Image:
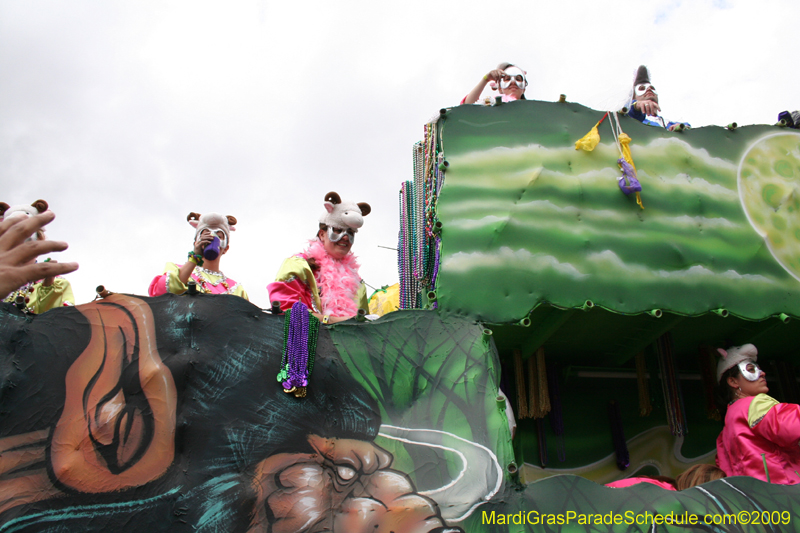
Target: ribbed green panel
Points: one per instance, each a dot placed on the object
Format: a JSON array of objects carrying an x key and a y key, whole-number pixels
[{"x": 527, "y": 219}]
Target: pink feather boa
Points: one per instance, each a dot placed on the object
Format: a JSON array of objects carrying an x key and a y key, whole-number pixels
[{"x": 338, "y": 280}]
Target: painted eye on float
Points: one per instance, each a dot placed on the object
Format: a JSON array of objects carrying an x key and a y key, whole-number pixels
[{"x": 345, "y": 473}]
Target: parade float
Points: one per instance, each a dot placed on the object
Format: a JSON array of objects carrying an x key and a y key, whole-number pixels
[
  {"x": 607, "y": 292},
  {"x": 524, "y": 267}
]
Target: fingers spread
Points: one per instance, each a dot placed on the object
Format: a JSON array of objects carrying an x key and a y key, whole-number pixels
[
  {"x": 33, "y": 249},
  {"x": 44, "y": 270},
  {"x": 14, "y": 231}
]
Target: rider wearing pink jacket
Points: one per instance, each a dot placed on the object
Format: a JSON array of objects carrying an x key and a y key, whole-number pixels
[{"x": 761, "y": 437}]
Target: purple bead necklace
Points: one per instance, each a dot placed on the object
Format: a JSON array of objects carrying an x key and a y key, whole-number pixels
[{"x": 300, "y": 345}]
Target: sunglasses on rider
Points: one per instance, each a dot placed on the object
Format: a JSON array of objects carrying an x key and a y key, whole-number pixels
[{"x": 642, "y": 88}]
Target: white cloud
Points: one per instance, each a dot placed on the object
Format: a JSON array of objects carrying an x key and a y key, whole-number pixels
[{"x": 126, "y": 116}]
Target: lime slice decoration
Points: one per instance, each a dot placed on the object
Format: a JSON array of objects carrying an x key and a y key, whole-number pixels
[{"x": 769, "y": 188}]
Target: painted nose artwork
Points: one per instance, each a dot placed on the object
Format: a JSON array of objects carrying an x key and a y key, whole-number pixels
[{"x": 150, "y": 406}]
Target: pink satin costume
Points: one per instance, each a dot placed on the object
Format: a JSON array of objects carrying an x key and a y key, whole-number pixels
[
  {"x": 212, "y": 283},
  {"x": 761, "y": 425},
  {"x": 631, "y": 481}
]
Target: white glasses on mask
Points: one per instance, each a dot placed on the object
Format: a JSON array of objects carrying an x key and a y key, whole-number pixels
[
  {"x": 513, "y": 75},
  {"x": 223, "y": 239},
  {"x": 642, "y": 88},
  {"x": 336, "y": 234},
  {"x": 750, "y": 370}
]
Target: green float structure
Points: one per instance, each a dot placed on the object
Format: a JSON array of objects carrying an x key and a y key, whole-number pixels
[
  {"x": 617, "y": 304},
  {"x": 524, "y": 268}
]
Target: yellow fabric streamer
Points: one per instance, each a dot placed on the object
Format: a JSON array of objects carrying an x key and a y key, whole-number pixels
[
  {"x": 589, "y": 141},
  {"x": 624, "y": 141}
]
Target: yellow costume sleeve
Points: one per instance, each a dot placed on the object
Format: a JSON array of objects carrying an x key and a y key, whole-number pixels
[
  {"x": 170, "y": 280},
  {"x": 759, "y": 407},
  {"x": 43, "y": 298},
  {"x": 238, "y": 290},
  {"x": 296, "y": 268},
  {"x": 174, "y": 284}
]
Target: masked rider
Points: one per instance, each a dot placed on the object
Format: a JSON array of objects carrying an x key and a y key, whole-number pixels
[
  {"x": 211, "y": 242},
  {"x": 325, "y": 276}
]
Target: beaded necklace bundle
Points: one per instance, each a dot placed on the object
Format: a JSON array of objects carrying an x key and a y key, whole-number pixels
[
  {"x": 708, "y": 370},
  {"x": 300, "y": 331},
  {"x": 203, "y": 281},
  {"x": 409, "y": 286},
  {"x": 541, "y": 438},
  {"x": 673, "y": 396},
  {"x": 538, "y": 394},
  {"x": 556, "y": 412},
  {"x": 24, "y": 291},
  {"x": 644, "y": 389},
  {"x": 618, "y": 435},
  {"x": 418, "y": 246}
]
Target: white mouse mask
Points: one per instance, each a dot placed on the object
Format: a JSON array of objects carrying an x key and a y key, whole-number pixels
[
  {"x": 751, "y": 374},
  {"x": 513, "y": 75}
]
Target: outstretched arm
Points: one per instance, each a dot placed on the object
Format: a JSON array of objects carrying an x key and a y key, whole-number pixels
[
  {"x": 776, "y": 422},
  {"x": 647, "y": 107},
  {"x": 17, "y": 253},
  {"x": 475, "y": 93}
]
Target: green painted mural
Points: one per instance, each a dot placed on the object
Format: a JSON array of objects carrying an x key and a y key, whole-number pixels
[
  {"x": 401, "y": 430},
  {"x": 613, "y": 305},
  {"x": 527, "y": 220}
]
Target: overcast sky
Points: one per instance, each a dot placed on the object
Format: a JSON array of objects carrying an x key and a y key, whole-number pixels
[{"x": 126, "y": 116}]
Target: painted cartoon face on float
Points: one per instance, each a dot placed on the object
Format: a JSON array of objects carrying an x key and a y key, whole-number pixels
[
  {"x": 118, "y": 432},
  {"x": 346, "y": 487}
]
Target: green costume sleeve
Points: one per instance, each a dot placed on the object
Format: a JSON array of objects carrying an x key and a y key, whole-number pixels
[{"x": 361, "y": 297}]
